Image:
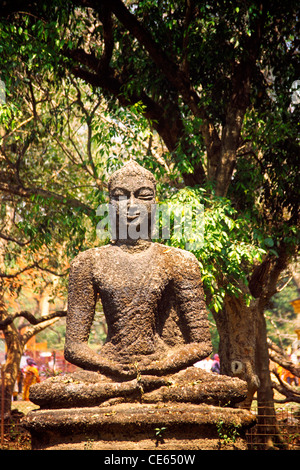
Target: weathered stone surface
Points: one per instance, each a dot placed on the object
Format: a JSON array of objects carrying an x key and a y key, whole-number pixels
[
  {"x": 86, "y": 388},
  {"x": 153, "y": 302},
  {"x": 154, "y": 308},
  {"x": 193, "y": 385},
  {"x": 132, "y": 426}
]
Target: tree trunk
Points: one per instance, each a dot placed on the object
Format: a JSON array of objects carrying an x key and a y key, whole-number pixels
[
  {"x": 244, "y": 344},
  {"x": 10, "y": 369},
  {"x": 269, "y": 435},
  {"x": 236, "y": 325},
  {"x": 244, "y": 353}
]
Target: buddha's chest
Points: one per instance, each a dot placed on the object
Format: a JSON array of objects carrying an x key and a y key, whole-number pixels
[{"x": 124, "y": 278}]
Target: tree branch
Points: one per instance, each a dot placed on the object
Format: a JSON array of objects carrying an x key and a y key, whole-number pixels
[
  {"x": 35, "y": 265},
  {"x": 30, "y": 317},
  {"x": 32, "y": 331},
  {"x": 11, "y": 276},
  {"x": 276, "y": 355},
  {"x": 291, "y": 394},
  {"x": 21, "y": 191},
  {"x": 108, "y": 38},
  {"x": 170, "y": 132},
  {"x": 98, "y": 73},
  {"x": 177, "y": 77},
  {"x": 89, "y": 117},
  {"x": 14, "y": 240}
]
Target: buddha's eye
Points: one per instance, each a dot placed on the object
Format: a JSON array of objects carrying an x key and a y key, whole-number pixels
[
  {"x": 145, "y": 194},
  {"x": 120, "y": 195}
]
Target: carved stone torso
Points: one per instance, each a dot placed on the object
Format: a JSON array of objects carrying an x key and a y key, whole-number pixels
[
  {"x": 130, "y": 287},
  {"x": 138, "y": 291}
]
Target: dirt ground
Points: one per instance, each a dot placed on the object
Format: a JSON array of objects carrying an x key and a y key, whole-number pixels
[{"x": 15, "y": 436}]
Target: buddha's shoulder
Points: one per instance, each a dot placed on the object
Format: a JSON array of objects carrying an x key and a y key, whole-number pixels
[
  {"x": 88, "y": 256},
  {"x": 177, "y": 254}
]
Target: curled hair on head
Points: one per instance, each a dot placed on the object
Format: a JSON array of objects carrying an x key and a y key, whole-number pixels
[{"x": 129, "y": 169}]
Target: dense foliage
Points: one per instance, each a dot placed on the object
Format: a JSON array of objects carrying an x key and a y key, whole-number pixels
[{"x": 202, "y": 93}]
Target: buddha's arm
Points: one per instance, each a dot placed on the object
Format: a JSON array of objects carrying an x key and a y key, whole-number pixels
[
  {"x": 177, "y": 358},
  {"x": 190, "y": 299},
  {"x": 82, "y": 298},
  {"x": 192, "y": 309}
]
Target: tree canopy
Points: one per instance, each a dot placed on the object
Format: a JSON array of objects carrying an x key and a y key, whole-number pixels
[
  {"x": 204, "y": 94},
  {"x": 212, "y": 79}
]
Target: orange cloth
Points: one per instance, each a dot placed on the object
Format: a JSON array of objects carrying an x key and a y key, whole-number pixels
[
  {"x": 31, "y": 376},
  {"x": 284, "y": 374}
]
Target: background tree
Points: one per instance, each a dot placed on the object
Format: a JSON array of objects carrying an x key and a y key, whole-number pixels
[
  {"x": 36, "y": 238},
  {"x": 213, "y": 80},
  {"x": 53, "y": 168}
]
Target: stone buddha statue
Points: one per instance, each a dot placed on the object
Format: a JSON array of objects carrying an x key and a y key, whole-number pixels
[
  {"x": 153, "y": 302},
  {"x": 151, "y": 294}
]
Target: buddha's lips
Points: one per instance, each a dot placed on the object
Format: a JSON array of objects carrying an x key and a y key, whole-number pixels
[{"x": 131, "y": 218}]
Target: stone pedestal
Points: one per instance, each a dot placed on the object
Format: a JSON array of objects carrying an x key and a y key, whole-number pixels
[{"x": 135, "y": 426}]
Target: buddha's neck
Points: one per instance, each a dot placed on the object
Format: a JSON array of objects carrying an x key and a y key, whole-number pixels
[{"x": 133, "y": 245}]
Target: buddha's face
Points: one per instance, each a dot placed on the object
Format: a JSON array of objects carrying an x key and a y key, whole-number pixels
[{"x": 132, "y": 200}]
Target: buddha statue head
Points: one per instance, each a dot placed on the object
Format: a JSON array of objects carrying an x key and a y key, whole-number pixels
[{"x": 132, "y": 192}]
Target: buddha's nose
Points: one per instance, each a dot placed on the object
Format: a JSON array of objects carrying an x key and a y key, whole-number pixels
[
  {"x": 132, "y": 202},
  {"x": 132, "y": 207}
]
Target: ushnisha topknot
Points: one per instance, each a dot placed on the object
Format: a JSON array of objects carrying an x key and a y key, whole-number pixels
[{"x": 129, "y": 169}]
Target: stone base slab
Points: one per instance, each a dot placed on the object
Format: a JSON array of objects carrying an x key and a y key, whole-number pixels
[{"x": 136, "y": 426}]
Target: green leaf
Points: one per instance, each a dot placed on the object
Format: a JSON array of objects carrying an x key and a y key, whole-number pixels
[{"x": 269, "y": 242}]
